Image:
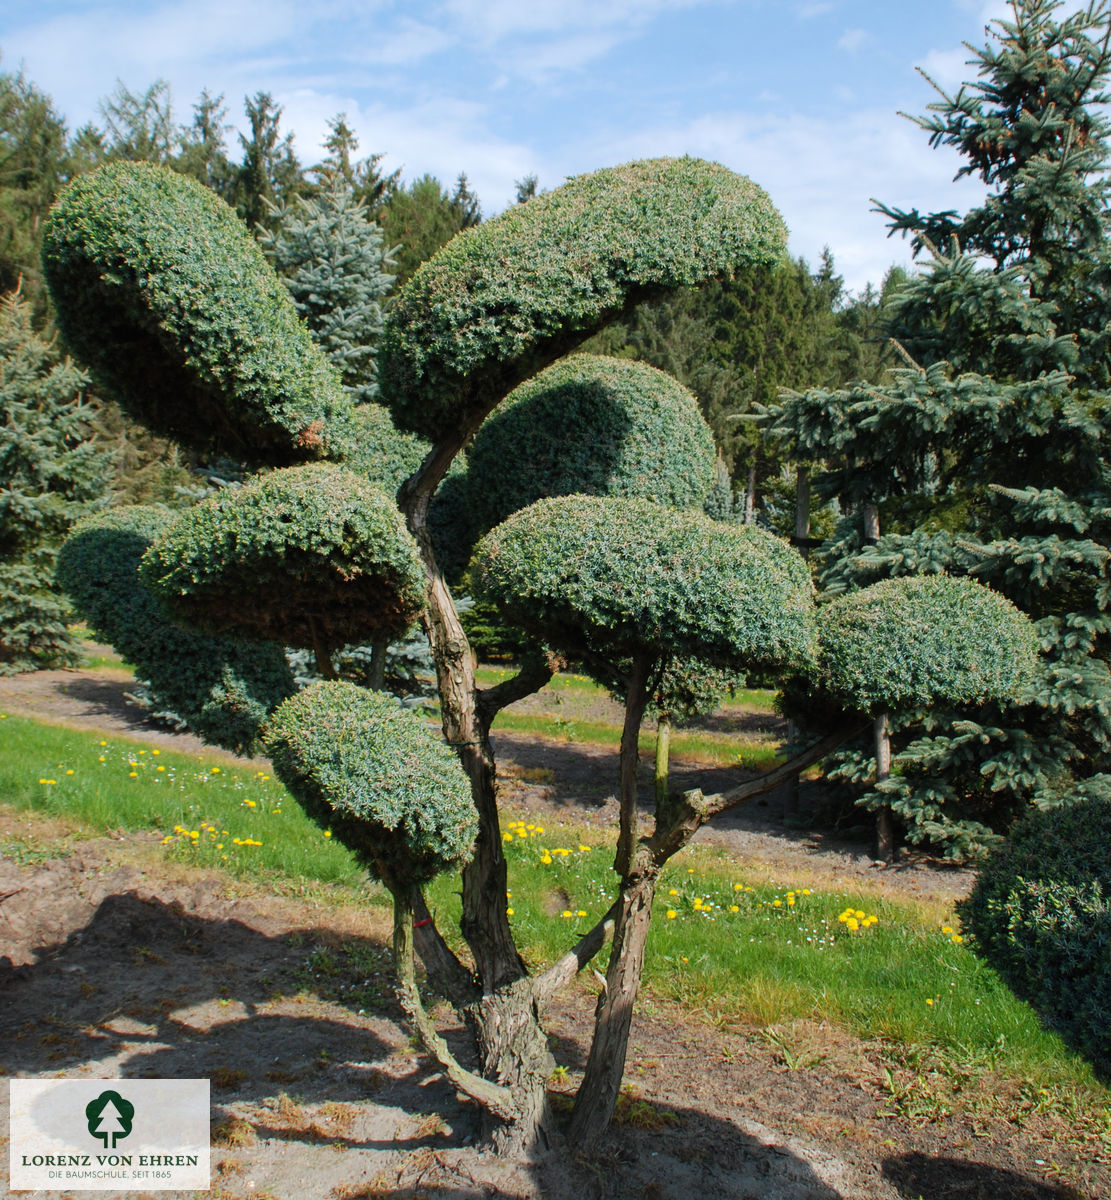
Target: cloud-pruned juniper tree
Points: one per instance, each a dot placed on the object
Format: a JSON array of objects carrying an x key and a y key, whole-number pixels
[{"x": 173, "y": 306}]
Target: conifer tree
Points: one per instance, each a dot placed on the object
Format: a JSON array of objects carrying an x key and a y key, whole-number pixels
[
  {"x": 51, "y": 472},
  {"x": 33, "y": 163},
  {"x": 269, "y": 175},
  {"x": 204, "y": 149},
  {"x": 330, "y": 255},
  {"x": 984, "y": 454}
]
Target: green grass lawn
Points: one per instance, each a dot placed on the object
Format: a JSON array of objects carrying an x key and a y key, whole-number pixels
[{"x": 734, "y": 948}]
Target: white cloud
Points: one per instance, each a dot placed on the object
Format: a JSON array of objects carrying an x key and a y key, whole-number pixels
[
  {"x": 820, "y": 9},
  {"x": 822, "y": 174},
  {"x": 853, "y": 39},
  {"x": 496, "y": 20}
]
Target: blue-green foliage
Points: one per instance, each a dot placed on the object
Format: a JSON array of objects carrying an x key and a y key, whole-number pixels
[
  {"x": 164, "y": 294},
  {"x": 1040, "y": 913},
  {"x": 590, "y": 425},
  {"x": 624, "y": 577},
  {"x": 222, "y": 688},
  {"x": 301, "y": 556},
  {"x": 914, "y": 642},
  {"x": 369, "y": 770},
  {"x": 507, "y": 297},
  {"x": 328, "y": 251}
]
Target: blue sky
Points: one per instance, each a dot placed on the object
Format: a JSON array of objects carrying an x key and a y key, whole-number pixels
[{"x": 801, "y": 95}]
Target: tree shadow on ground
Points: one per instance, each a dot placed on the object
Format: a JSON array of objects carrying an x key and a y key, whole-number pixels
[
  {"x": 149, "y": 989},
  {"x": 916, "y": 1175}
]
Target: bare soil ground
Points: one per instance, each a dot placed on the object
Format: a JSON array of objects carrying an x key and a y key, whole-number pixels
[{"x": 114, "y": 963}]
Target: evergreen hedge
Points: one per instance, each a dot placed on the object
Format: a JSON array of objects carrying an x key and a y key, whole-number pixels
[
  {"x": 509, "y": 296},
  {"x": 1040, "y": 914},
  {"x": 621, "y": 576},
  {"x": 913, "y": 642},
  {"x": 163, "y": 293},
  {"x": 299, "y": 556},
  {"x": 595, "y": 426},
  {"x": 369, "y": 770},
  {"x": 222, "y": 688}
]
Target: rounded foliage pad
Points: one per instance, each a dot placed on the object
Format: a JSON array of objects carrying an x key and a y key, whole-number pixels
[
  {"x": 368, "y": 769},
  {"x": 923, "y": 640},
  {"x": 1040, "y": 913},
  {"x": 302, "y": 556},
  {"x": 222, "y": 688},
  {"x": 594, "y": 426},
  {"x": 621, "y": 577},
  {"x": 508, "y": 296},
  {"x": 162, "y": 291}
]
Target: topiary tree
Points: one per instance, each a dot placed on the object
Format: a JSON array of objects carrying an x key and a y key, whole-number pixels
[
  {"x": 223, "y": 688},
  {"x": 1040, "y": 914},
  {"x": 622, "y": 582},
  {"x": 594, "y": 426}
]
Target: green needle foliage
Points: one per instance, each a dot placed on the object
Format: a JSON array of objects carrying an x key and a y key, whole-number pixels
[
  {"x": 1041, "y": 914},
  {"x": 508, "y": 297},
  {"x": 908, "y": 643},
  {"x": 222, "y": 688},
  {"x": 51, "y": 472},
  {"x": 300, "y": 556},
  {"x": 618, "y": 576},
  {"x": 591, "y": 426},
  {"x": 168, "y": 299},
  {"x": 370, "y": 771}
]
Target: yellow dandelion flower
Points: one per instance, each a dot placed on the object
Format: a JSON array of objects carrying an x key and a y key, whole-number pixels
[
  {"x": 215, "y": 771},
  {"x": 133, "y": 774},
  {"x": 929, "y": 1000},
  {"x": 581, "y": 912},
  {"x": 956, "y": 938},
  {"x": 546, "y": 859},
  {"x": 567, "y": 913},
  {"x": 509, "y": 912},
  {"x": 101, "y": 758},
  {"x": 671, "y": 914},
  {"x": 673, "y": 892},
  {"x": 852, "y": 923},
  {"x": 583, "y": 849},
  {"x": 70, "y": 771},
  {"x": 327, "y": 833},
  {"x": 777, "y": 904},
  {"x": 946, "y": 929},
  {"x": 156, "y": 752},
  {"x": 734, "y": 908},
  {"x": 161, "y": 768},
  {"x": 806, "y": 891}
]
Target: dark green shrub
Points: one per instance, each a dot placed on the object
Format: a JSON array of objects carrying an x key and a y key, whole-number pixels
[
  {"x": 594, "y": 426},
  {"x": 222, "y": 688},
  {"x": 622, "y": 576},
  {"x": 1040, "y": 914},
  {"x": 509, "y": 296},
  {"x": 164, "y": 294},
  {"x": 913, "y": 642},
  {"x": 369, "y": 770},
  {"x": 383, "y": 454},
  {"x": 301, "y": 556}
]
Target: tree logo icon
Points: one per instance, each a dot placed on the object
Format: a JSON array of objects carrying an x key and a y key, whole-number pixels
[{"x": 109, "y": 1117}]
